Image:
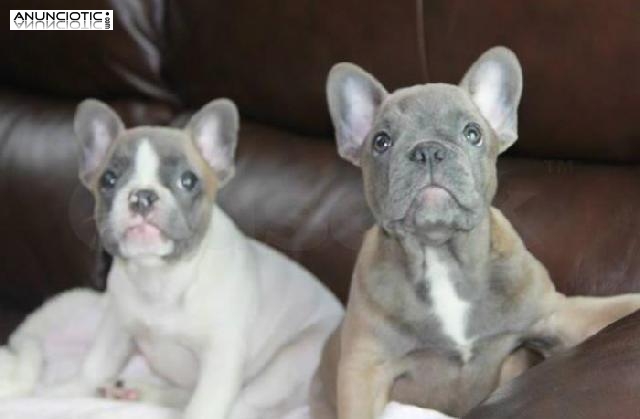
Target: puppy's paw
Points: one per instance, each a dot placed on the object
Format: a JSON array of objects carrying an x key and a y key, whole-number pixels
[
  {"x": 16, "y": 379},
  {"x": 119, "y": 391},
  {"x": 402, "y": 411}
]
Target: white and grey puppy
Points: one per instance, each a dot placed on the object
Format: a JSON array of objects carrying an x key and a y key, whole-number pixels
[{"x": 234, "y": 323}]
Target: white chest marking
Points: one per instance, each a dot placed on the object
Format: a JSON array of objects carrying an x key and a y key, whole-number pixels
[{"x": 447, "y": 304}]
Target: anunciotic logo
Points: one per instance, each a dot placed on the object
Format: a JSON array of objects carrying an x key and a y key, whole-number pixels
[{"x": 61, "y": 20}]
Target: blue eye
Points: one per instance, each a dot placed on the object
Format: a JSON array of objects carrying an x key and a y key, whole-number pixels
[
  {"x": 382, "y": 142},
  {"x": 188, "y": 180},
  {"x": 108, "y": 179},
  {"x": 473, "y": 134}
]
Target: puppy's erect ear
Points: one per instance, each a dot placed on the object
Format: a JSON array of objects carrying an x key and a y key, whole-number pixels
[
  {"x": 354, "y": 97},
  {"x": 494, "y": 82},
  {"x": 214, "y": 130},
  {"x": 97, "y": 126}
]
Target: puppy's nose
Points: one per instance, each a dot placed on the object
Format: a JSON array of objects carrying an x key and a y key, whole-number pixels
[
  {"x": 428, "y": 153},
  {"x": 141, "y": 201}
]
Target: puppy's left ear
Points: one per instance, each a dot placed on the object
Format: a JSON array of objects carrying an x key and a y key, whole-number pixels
[
  {"x": 214, "y": 130},
  {"x": 494, "y": 82}
]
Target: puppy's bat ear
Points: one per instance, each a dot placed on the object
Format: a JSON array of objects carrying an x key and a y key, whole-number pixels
[
  {"x": 214, "y": 130},
  {"x": 96, "y": 126},
  {"x": 354, "y": 97},
  {"x": 494, "y": 82}
]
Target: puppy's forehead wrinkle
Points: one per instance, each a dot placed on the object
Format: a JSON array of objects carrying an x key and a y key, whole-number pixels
[
  {"x": 173, "y": 147},
  {"x": 441, "y": 108}
]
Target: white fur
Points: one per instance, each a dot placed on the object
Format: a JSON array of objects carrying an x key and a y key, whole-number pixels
[
  {"x": 447, "y": 304},
  {"x": 147, "y": 164},
  {"x": 56, "y": 334},
  {"x": 145, "y": 176},
  {"x": 237, "y": 324}
]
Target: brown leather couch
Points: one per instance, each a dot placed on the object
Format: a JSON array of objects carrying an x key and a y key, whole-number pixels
[{"x": 571, "y": 185}]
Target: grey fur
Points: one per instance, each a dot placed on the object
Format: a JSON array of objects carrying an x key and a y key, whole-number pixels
[
  {"x": 425, "y": 115},
  {"x": 107, "y": 146},
  {"x": 390, "y": 280},
  {"x": 394, "y": 343}
]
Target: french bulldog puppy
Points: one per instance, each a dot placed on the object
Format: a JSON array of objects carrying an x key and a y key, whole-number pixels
[
  {"x": 444, "y": 290},
  {"x": 233, "y": 322}
]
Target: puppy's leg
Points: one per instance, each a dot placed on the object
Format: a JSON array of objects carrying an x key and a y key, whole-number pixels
[
  {"x": 364, "y": 380},
  {"x": 220, "y": 378},
  {"x": 323, "y": 391},
  {"x": 573, "y": 319},
  {"x": 274, "y": 392},
  {"x": 518, "y": 362},
  {"x": 106, "y": 358}
]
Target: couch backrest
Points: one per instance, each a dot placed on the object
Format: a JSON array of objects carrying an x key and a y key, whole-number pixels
[
  {"x": 166, "y": 57},
  {"x": 580, "y": 59}
]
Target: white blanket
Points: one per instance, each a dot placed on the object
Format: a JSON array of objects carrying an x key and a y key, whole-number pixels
[{"x": 47, "y": 349}]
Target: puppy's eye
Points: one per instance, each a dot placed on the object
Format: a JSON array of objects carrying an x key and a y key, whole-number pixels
[
  {"x": 472, "y": 134},
  {"x": 108, "y": 180},
  {"x": 188, "y": 180},
  {"x": 382, "y": 142}
]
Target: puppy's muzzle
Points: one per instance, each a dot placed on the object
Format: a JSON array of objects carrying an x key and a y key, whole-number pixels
[
  {"x": 429, "y": 153},
  {"x": 141, "y": 201}
]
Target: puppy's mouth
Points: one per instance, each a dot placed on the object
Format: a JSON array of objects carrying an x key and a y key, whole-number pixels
[
  {"x": 433, "y": 201},
  {"x": 434, "y": 195},
  {"x": 144, "y": 232}
]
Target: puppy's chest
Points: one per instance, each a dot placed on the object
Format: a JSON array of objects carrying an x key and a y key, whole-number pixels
[
  {"x": 169, "y": 338},
  {"x": 445, "y": 308}
]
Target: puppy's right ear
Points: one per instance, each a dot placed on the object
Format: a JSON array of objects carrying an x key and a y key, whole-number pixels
[
  {"x": 97, "y": 126},
  {"x": 354, "y": 97}
]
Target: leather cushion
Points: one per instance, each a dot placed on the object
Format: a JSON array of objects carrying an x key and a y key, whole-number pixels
[
  {"x": 46, "y": 229},
  {"x": 595, "y": 380},
  {"x": 124, "y": 61},
  {"x": 273, "y": 58},
  {"x": 294, "y": 193},
  {"x": 580, "y": 62}
]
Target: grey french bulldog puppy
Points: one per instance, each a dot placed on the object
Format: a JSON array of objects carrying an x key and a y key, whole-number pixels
[{"x": 444, "y": 292}]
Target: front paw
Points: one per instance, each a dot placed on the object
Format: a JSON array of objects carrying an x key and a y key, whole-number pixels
[{"x": 119, "y": 391}]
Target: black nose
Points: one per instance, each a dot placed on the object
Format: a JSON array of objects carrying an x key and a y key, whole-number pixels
[
  {"x": 141, "y": 201},
  {"x": 428, "y": 153}
]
